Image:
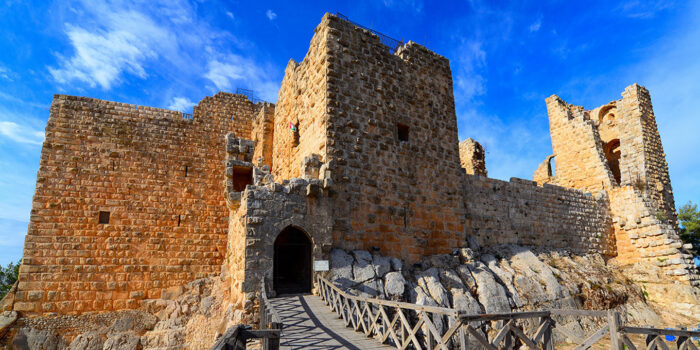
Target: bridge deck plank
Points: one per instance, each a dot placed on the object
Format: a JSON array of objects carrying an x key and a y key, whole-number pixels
[{"x": 309, "y": 324}]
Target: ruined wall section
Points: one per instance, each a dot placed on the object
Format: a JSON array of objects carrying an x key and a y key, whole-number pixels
[
  {"x": 263, "y": 135},
  {"x": 392, "y": 145},
  {"x": 642, "y": 237},
  {"x": 520, "y": 212},
  {"x": 260, "y": 212},
  {"x": 158, "y": 176},
  {"x": 580, "y": 161},
  {"x": 472, "y": 157},
  {"x": 643, "y": 163},
  {"x": 302, "y": 103}
]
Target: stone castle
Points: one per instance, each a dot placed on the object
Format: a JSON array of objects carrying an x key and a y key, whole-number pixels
[{"x": 361, "y": 151}]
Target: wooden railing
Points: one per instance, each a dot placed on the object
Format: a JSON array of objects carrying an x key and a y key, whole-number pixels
[
  {"x": 406, "y": 325},
  {"x": 269, "y": 328},
  {"x": 269, "y": 320}
]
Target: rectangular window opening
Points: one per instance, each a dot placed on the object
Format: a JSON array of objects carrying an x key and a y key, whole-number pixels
[
  {"x": 178, "y": 221},
  {"x": 186, "y": 168},
  {"x": 402, "y": 132},
  {"x": 103, "y": 217},
  {"x": 242, "y": 176}
]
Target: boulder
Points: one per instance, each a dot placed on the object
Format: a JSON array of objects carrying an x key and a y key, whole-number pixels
[
  {"x": 505, "y": 277},
  {"x": 7, "y": 318},
  {"x": 394, "y": 285},
  {"x": 123, "y": 341},
  {"x": 341, "y": 268},
  {"x": 467, "y": 278},
  {"x": 396, "y": 264},
  {"x": 87, "y": 341},
  {"x": 36, "y": 339},
  {"x": 382, "y": 265},
  {"x": 430, "y": 282},
  {"x": 490, "y": 293}
]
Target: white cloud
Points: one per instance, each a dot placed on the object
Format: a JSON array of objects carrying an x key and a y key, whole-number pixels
[
  {"x": 469, "y": 83},
  {"x": 270, "y": 15},
  {"x": 181, "y": 104},
  {"x": 230, "y": 14},
  {"x": 5, "y": 73},
  {"x": 412, "y": 5},
  {"x": 234, "y": 71},
  {"x": 535, "y": 26},
  {"x": 643, "y": 9},
  {"x": 21, "y": 134},
  {"x": 123, "y": 43}
]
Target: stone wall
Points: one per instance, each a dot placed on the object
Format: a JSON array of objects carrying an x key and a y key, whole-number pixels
[
  {"x": 391, "y": 145},
  {"x": 580, "y": 161},
  {"x": 472, "y": 157},
  {"x": 643, "y": 236},
  {"x": 302, "y": 105},
  {"x": 156, "y": 175},
  {"x": 520, "y": 212},
  {"x": 263, "y": 135},
  {"x": 261, "y": 211},
  {"x": 643, "y": 163}
]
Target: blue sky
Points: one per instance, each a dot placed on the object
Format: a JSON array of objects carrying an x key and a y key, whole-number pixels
[{"x": 506, "y": 57}]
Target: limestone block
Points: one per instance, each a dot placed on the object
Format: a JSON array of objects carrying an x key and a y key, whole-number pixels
[{"x": 394, "y": 285}]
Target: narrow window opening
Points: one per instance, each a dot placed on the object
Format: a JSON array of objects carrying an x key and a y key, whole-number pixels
[
  {"x": 178, "y": 221},
  {"x": 242, "y": 176},
  {"x": 612, "y": 154},
  {"x": 186, "y": 168},
  {"x": 103, "y": 217},
  {"x": 402, "y": 132},
  {"x": 294, "y": 129},
  {"x": 551, "y": 167}
]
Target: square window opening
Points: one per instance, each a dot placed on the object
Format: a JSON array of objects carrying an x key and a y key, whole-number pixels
[
  {"x": 402, "y": 132},
  {"x": 242, "y": 176},
  {"x": 103, "y": 218}
]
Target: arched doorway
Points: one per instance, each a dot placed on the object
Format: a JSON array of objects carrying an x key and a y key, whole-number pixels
[
  {"x": 612, "y": 154},
  {"x": 292, "y": 262}
]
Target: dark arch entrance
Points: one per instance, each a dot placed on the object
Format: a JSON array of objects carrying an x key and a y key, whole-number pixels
[{"x": 292, "y": 262}]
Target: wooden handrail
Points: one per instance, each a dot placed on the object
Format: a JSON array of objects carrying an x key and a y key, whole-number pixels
[
  {"x": 433, "y": 309},
  {"x": 268, "y": 306},
  {"x": 386, "y": 321}
]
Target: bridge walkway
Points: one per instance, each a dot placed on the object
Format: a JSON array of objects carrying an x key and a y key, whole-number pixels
[{"x": 310, "y": 324}]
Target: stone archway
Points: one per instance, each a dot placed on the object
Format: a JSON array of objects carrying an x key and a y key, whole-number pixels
[{"x": 292, "y": 262}]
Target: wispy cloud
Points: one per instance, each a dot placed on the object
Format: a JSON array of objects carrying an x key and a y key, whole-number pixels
[
  {"x": 271, "y": 15},
  {"x": 469, "y": 82},
  {"x": 5, "y": 73},
  {"x": 536, "y": 25},
  {"x": 643, "y": 9},
  {"x": 411, "y": 5},
  {"x": 236, "y": 71},
  {"x": 181, "y": 104},
  {"x": 21, "y": 134},
  {"x": 122, "y": 44},
  {"x": 139, "y": 40}
]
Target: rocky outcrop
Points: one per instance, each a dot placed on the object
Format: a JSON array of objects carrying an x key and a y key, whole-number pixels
[
  {"x": 500, "y": 279},
  {"x": 187, "y": 317}
]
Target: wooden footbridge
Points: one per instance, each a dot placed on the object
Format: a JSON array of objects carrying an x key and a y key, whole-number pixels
[{"x": 337, "y": 319}]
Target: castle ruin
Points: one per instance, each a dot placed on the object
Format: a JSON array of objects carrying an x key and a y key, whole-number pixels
[{"x": 361, "y": 151}]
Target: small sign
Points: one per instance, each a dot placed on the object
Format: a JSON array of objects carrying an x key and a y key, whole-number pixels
[{"x": 321, "y": 265}]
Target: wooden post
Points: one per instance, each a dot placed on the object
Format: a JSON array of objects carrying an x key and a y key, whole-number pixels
[
  {"x": 508, "y": 340},
  {"x": 274, "y": 343},
  {"x": 428, "y": 335},
  {"x": 614, "y": 323},
  {"x": 547, "y": 341},
  {"x": 463, "y": 338}
]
